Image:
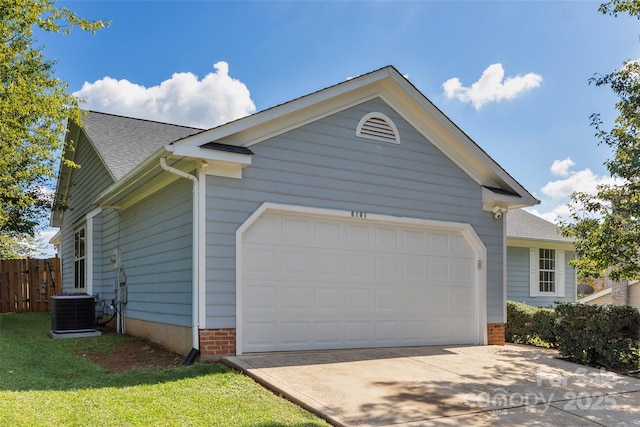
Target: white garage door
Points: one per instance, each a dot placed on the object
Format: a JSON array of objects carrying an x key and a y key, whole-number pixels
[{"x": 321, "y": 282}]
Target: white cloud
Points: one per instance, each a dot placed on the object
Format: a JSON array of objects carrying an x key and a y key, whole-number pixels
[
  {"x": 492, "y": 87},
  {"x": 556, "y": 204},
  {"x": 583, "y": 181},
  {"x": 554, "y": 215},
  {"x": 561, "y": 167},
  {"x": 183, "y": 99}
]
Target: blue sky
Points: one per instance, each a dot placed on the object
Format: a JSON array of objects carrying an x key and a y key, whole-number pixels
[{"x": 522, "y": 68}]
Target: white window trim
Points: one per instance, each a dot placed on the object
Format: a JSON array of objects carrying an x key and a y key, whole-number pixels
[
  {"x": 87, "y": 223},
  {"x": 76, "y": 259},
  {"x": 534, "y": 276}
]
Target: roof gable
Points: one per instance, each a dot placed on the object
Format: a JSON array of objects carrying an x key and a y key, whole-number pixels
[
  {"x": 130, "y": 148},
  {"x": 124, "y": 142},
  {"x": 389, "y": 85}
]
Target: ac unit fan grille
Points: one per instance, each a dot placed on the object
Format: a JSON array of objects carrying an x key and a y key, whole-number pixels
[{"x": 73, "y": 313}]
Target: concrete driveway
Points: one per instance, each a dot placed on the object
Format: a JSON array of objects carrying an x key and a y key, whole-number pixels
[{"x": 447, "y": 385}]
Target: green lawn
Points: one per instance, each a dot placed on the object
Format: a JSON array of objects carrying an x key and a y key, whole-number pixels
[{"x": 43, "y": 382}]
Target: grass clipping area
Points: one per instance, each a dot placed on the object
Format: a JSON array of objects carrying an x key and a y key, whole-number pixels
[{"x": 47, "y": 382}]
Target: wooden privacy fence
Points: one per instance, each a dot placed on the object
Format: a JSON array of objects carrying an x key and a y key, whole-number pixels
[{"x": 28, "y": 284}]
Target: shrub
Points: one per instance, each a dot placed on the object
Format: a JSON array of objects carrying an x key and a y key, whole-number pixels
[
  {"x": 530, "y": 325},
  {"x": 599, "y": 335}
]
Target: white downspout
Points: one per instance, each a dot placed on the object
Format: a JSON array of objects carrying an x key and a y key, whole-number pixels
[{"x": 195, "y": 245}]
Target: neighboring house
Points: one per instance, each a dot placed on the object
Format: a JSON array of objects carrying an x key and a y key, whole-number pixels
[
  {"x": 631, "y": 296},
  {"x": 356, "y": 216},
  {"x": 538, "y": 268}
]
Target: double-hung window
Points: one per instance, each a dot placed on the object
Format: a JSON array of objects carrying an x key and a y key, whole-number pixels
[
  {"x": 546, "y": 272},
  {"x": 79, "y": 260}
]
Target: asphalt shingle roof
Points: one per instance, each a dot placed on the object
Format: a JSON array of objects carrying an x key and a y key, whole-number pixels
[
  {"x": 525, "y": 225},
  {"x": 124, "y": 142}
]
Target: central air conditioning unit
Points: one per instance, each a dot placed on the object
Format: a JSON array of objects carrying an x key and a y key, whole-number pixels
[{"x": 73, "y": 313}]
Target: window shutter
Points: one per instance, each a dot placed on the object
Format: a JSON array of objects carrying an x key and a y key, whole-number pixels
[
  {"x": 534, "y": 277},
  {"x": 560, "y": 273}
]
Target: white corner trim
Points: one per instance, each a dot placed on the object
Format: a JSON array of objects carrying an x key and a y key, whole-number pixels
[{"x": 466, "y": 230}]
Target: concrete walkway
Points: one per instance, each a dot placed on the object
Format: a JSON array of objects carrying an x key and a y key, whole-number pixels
[{"x": 447, "y": 386}]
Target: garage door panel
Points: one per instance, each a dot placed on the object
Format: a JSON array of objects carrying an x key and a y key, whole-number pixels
[
  {"x": 296, "y": 229},
  {"x": 294, "y": 298},
  {"x": 460, "y": 247},
  {"x": 358, "y": 299},
  {"x": 329, "y": 265},
  {"x": 261, "y": 298},
  {"x": 438, "y": 301},
  {"x": 296, "y": 333},
  {"x": 413, "y": 331},
  {"x": 358, "y": 236},
  {"x": 439, "y": 242},
  {"x": 439, "y": 270},
  {"x": 413, "y": 301},
  {"x": 387, "y": 239},
  {"x": 317, "y": 282},
  {"x": 328, "y": 333},
  {"x": 463, "y": 272},
  {"x": 358, "y": 332},
  {"x": 260, "y": 261},
  {"x": 462, "y": 301},
  {"x": 414, "y": 270},
  {"x": 327, "y": 233},
  {"x": 260, "y": 334},
  {"x": 387, "y": 332},
  {"x": 329, "y": 300},
  {"x": 293, "y": 263},
  {"x": 387, "y": 268},
  {"x": 386, "y": 300},
  {"x": 413, "y": 241},
  {"x": 360, "y": 267}
]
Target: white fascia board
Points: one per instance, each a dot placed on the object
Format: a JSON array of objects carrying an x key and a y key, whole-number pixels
[
  {"x": 278, "y": 112},
  {"x": 490, "y": 199},
  {"x": 532, "y": 242},
  {"x": 242, "y": 160},
  {"x": 55, "y": 240},
  {"x": 237, "y": 160},
  {"x": 451, "y": 140}
]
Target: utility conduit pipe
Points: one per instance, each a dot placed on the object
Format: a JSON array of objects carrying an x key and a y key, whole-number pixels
[{"x": 195, "y": 256}]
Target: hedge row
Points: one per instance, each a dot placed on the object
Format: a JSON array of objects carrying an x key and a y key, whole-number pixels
[
  {"x": 599, "y": 335},
  {"x": 530, "y": 325},
  {"x": 596, "y": 335}
]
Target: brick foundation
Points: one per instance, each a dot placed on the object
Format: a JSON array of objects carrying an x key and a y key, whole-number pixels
[
  {"x": 495, "y": 333},
  {"x": 215, "y": 343}
]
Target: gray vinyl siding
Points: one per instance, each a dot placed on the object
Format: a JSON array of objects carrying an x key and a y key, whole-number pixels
[
  {"x": 323, "y": 164},
  {"x": 105, "y": 246},
  {"x": 86, "y": 183},
  {"x": 518, "y": 279},
  {"x": 155, "y": 239}
]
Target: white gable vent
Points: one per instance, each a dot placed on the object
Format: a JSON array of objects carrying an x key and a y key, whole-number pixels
[{"x": 378, "y": 126}]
